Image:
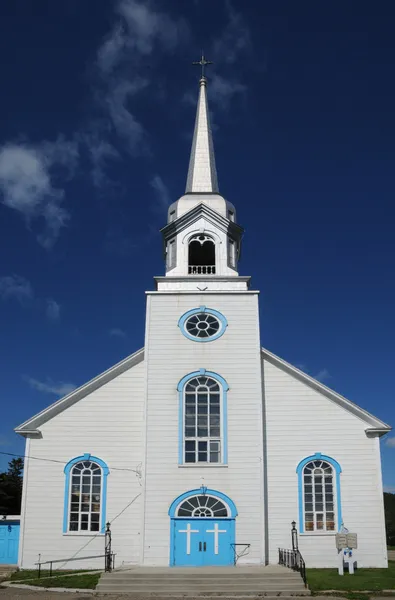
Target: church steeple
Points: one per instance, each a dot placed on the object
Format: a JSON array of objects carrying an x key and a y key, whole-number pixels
[
  {"x": 202, "y": 239},
  {"x": 202, "y": 173}
]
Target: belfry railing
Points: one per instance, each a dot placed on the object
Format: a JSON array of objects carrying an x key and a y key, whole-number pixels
[{"x": 201, "y": 269}]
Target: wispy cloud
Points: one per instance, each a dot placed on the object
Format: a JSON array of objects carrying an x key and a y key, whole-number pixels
[
  {"x": 19, "y": 289},
  {"x": 52, "y": 310},
  {"x": 390, "y": 489},
  {"x": 116, "y": 332},
  {"x": 27, "y": 183},
  {"x": 322, "y": 375},
  {"x": 235, "y": 38},
  {"x": 14, "y": 287},
  {"x": 4, "y": 440},
  {"x": 162, "y": 193},
  {"x": 59, "y": 388},
  {"x": 390, "y": 442},
  {"x": 222, "y": 90},
  {"x": 122, "y": 62}
]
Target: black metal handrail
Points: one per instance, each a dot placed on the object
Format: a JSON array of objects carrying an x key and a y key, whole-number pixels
[
  {"x": 109, "y": 562},
  {"x": 293, "y": 560}
]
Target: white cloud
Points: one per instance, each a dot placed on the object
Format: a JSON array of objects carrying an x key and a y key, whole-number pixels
[
  {"x": 162, "y": 193},
  {"x": 52, "y": 310},
  {"x": 390, "y": 442},
  {"x": 14, "y": 287},
  {"x": 27, "y": 182},
  {"x": 322, "y": 375},
  {"x": 123, "y": 61},
  {"x": 51, "y": 387},
  {"x": 223, "y": 90},
  {"x": 125, "y": 123},
  {"x": 138, "y": 31},
  {"x": 389, "y": 488},
  {"x": 100, "y": 151},
  {"x": 116, "y": 332},
  {"x": 235, "y": 38}
]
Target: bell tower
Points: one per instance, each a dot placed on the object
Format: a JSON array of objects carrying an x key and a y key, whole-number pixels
[{"x": 202, "y": 240}]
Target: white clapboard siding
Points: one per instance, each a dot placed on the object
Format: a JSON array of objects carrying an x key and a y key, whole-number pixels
[
  {"x": 236, "y": 357},
  {"x": 108, "y": 424},
  {"x": 300, "y": 422}
]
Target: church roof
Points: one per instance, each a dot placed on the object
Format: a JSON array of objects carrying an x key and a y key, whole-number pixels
[
  {"x": 202, "y": 173},
  {"x": 29, "y": 428},
  {"x": 376, "y": 426}
]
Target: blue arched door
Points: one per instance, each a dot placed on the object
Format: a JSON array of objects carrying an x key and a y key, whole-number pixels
[{"x": 202, "y": 529}]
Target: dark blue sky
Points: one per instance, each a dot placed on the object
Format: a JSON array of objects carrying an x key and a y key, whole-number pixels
[{"x": 98, "y": 104}]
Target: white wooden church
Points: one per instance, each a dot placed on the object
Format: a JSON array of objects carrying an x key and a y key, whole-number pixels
[{"x": 202, "y": 446}]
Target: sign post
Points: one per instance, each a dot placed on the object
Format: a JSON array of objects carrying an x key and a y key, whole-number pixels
[{"x": 346, "y": 542}]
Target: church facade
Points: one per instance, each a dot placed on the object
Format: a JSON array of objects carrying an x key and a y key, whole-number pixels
[{"x": 202, "y": 447}]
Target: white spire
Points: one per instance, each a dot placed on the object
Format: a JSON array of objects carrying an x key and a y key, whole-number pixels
[{"x": 202, "y": 174}]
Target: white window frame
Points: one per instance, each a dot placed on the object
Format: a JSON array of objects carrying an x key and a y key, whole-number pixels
[{"x": 196, "y": 438}]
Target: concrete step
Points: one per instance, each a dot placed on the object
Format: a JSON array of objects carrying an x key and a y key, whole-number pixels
[
  {"x": 250, "y": 595},
  {"x": 204, "y": 582},
  {"x": 160, "y": 589},
  {"x": 294, "y": 578}
]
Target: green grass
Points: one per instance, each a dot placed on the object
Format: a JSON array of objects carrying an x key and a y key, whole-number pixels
[
  {"x": 83, "y": 582},
  {"x": 364, "y": 579},
  {"x": 75, "y": 580},
  {"x": 33, "y": 573},
  {"x": 390, "y": 547}
]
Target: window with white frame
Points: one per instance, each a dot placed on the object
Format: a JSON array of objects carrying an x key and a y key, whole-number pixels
[
  {"x": 85, "y": 496},
  {"x": 318, "y": 496},
  {"x": 202, "y": 421},
  {"x": 203, "y": 506}
]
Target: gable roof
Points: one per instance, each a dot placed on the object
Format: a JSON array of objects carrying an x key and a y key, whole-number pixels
[
  {"x": 374, "y": 425},
  {"x": 30, "y": 427}
]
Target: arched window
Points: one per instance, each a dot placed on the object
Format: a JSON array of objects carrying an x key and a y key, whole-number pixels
[
  {"x": 85, "y": 495},
  {"x": 203, "y": 506},
  {"x": 319, "y": 494},
  {"x": 201, "y": 255},
  {"x": 203, "y": 436}
]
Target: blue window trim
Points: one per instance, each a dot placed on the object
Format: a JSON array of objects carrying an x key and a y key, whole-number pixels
[
  {"x": 338, "y": 470},
  {"x": 67, "y": 471},
  {"x": 200, "y": 491},
  {"x": 209, "y": 311},
  {"x": 224, "y": 409}
]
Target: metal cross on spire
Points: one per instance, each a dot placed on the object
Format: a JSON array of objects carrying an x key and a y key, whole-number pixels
[{"x": 202, "y": 62}]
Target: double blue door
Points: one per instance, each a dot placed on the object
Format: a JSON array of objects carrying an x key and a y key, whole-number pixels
[
  {"x": 9, "y": 541},
  {"x": 202, "y": 542}
]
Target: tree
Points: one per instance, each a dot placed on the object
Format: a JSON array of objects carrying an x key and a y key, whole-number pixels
[
  {"x": 389, "y": 509},
  {"x": 11, "y": 488}
]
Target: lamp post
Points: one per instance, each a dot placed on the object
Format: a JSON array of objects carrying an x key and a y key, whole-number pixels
[
  {"x": 294, "y": 535},
  {"x": 107, "y": 550}
]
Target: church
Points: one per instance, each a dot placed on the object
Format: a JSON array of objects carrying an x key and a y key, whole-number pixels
[{"x": 202, "y": 447}]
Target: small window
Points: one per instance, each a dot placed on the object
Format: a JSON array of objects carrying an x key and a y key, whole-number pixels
[
  {"x": 172, "y": 215},
  {"x": 171, "y": 255},
  {"x": 204, "y": 507},
  {"x": 203, "y": 324},
  {"x": 232, "y": 253},
  {"x": 231, "y": 215}
]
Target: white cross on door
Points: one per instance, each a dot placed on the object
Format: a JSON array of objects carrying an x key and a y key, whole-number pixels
[
  {"x": 188, "y": 531},
  {"x": 216, "y": 533}
]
